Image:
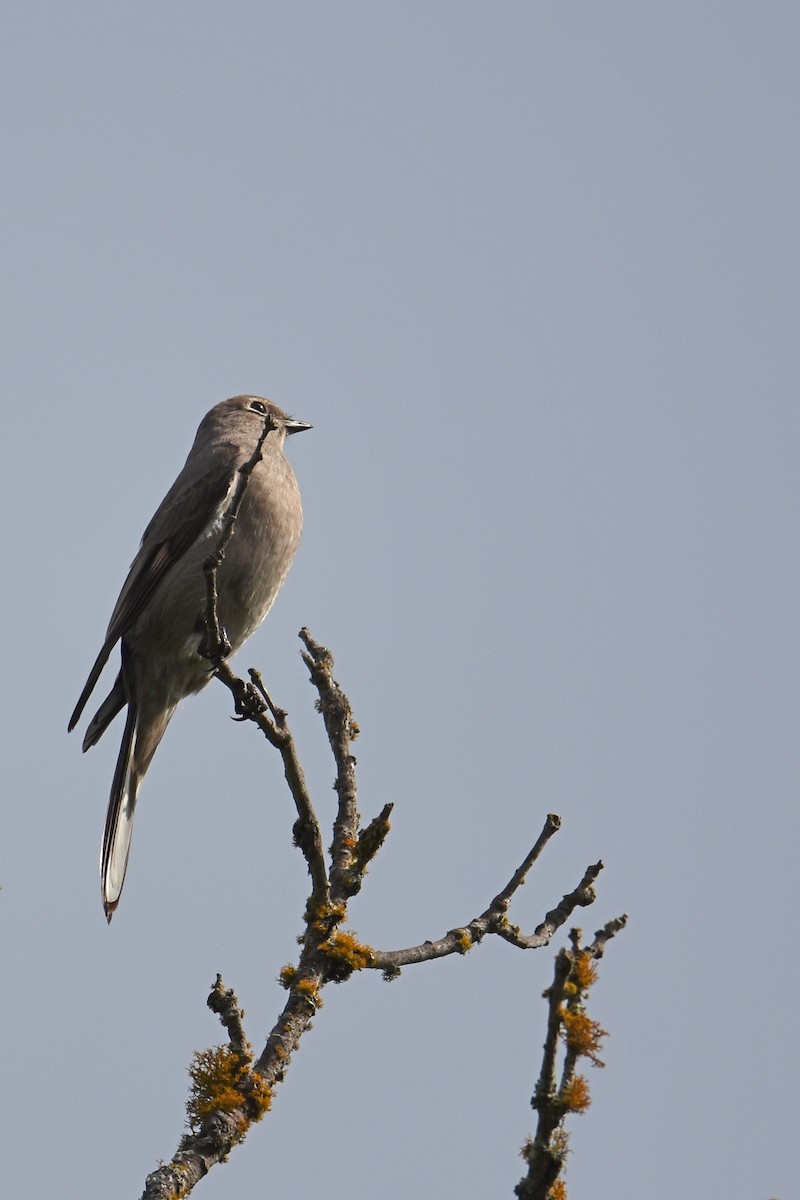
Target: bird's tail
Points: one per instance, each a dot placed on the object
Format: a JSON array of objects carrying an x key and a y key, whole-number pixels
[
  {"x": 114, "y": 702},
  {"x": 119, "y": 819}
]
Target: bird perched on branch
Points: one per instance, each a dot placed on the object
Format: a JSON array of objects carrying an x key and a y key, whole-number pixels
[{"x": 226, "y": 490}]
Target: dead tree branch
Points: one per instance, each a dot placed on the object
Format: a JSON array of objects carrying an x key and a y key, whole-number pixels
[
  {"x": 557, "y": 1095},
  {"x": 235, "y": 1089}
]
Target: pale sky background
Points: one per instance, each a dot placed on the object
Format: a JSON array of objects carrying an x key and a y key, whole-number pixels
[{"x": 531, "y": 270}]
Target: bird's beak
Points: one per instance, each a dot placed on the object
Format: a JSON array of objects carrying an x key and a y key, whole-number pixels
[{"x": 297, "y": 426}]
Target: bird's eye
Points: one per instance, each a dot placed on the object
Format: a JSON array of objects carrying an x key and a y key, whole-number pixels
[{"x": 257, "y": 406}]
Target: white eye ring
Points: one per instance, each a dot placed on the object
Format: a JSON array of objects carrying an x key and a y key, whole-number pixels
[{"x": 257, "y": 406}]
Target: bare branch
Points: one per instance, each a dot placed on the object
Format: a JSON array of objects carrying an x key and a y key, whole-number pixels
[
  {"x": 583, "y": 895},
  {"x": 604, "y": 935},
  {"x": 493, "y": 919},
  {"x": 503, "y": 899},
  {"x": 223, "y": 1002},
  {"x": 370, "y": 840},
  {"x": 340, "y": 728},
  {"x": 230, "y": 1089},
  {"x": 252, "y": 703}
]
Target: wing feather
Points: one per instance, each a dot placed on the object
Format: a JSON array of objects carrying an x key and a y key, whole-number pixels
[{"x": 188, "y": 508}]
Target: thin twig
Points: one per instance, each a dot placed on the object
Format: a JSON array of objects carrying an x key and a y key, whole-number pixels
[
  {"x": 493, "y": 919},
  {"x": 252, "y": 703},
  {"x": 503, "y": 898},
  {"x": 583, "y": 895},
  {"x": 597, "y": 947},
  {"x": 223, "y": 1002},
  {"x": 341, "y": 728}
]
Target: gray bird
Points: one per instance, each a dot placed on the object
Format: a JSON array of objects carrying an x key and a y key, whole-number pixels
[{"x": 159, "y": 616}]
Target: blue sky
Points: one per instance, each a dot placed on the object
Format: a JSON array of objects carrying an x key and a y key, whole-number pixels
[{"x": 531, "y": 271}]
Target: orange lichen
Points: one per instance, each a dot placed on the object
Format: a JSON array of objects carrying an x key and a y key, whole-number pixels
[
  {"x": 346, "y": 954},
  {"x": 575, "y": 1096},
  {"x": 287, "y": 976},
  {"x": 584, "y": 1036},
  {"x": 259, "y": 1096},
  {"x": 584, "y": 971},
  {"x": 223, "y": 1081},
  {"x": 310, "y": 989},
  {"x": 465, "y": 942},
  {"x": 324, "y": 916}
]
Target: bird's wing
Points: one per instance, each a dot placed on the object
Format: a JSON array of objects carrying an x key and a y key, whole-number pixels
[
  {"x": 183, "y": 515},
  {"x": 189, "y": 506}
]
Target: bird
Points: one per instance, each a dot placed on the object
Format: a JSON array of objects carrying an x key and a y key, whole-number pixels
[{"x": 159, "y": 618}]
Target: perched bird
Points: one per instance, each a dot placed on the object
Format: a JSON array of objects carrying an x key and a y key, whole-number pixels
[{"x": 159, "y": 617}]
